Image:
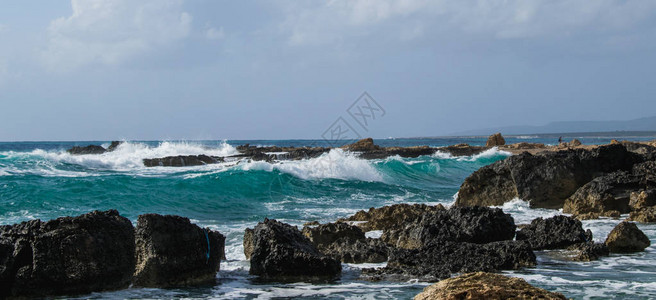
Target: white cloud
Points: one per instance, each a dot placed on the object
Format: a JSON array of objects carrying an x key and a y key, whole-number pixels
[
  {"x": 214, "y": 34},
  {"x": 334, "y": 21},
  {"x": 111, "y": 32}
]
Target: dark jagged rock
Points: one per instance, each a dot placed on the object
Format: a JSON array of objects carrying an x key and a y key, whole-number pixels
[
  {"x": 69, "y": 255},
  {"x": 554, "y": 233},
  {"x": 360, "y": 251},
  {"x": 325, "y": 234},
  {"x": 545, "y": 179},
  {"x": 182, "y": 161},
  {"x": 644, "y": 215},
  {"x": 411, "y": 152},
  {"x": 439, "y": 261},
  {"x": 390, "y": 217},
  {"x": 281, "y": 252},
  {"x": 462, "y": 150},
  {"x": 173, "y": 252},
  {"x": 626, "y": 237},
  {"x": 458, "y": 224},
  {"x": 613, "y": 191},
  {"x": 248, "y": 242},
  {"x": 495, "y": 140},
  {"x": 91, "y": 149},
  {"x": 346, "y": 243},
  {"x": 588, "y": 251},
  {"x": 483, "y": 285},
  {"x": 114, "y": 145},
  {"x": 272, "y": 153}
]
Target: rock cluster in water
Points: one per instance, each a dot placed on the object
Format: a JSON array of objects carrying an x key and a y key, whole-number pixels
[
  {"x": 102, "y": 251},
  {"x": 608, "y": 180}
]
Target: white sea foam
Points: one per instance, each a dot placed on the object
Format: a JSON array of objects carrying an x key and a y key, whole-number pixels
[
  {"x": 336, "y": 164},
  {"x": 492, "y": 152}
]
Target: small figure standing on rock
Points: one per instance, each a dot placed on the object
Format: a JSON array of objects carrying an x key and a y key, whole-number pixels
[{"x": 560, "y": 140}]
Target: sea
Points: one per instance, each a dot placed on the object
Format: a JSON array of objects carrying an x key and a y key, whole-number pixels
[{"x": 40, "y": 180}]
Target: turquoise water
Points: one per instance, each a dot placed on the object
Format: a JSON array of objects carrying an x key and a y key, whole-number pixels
[{"x": 40, "y": 180}]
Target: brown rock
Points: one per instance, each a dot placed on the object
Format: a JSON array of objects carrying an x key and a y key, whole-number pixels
[
  {"x": 483, "y": 285},
  {"x": 362, "y": 145},
  {"x": 645, "y": 215},
  {"x": 627, "y": 238},
  {"x": 574, "y": 143},
  {"x": 248, "y": 243},
  {"x": 495, "y": 140},
  {"x": 642, "y": 199}
]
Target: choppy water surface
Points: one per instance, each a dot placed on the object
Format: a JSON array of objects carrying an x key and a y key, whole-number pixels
[{"x": 40, "y": 180}]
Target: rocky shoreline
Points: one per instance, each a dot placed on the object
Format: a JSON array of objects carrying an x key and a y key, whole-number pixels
[{"x": 102, "y": 251}]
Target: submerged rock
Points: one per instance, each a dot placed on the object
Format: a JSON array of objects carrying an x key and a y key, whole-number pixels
[
  {"x": 554, "y": 233},
  {"x": 458, "y": 224},
  {"x": 626, "y": 237},
  {"x": 495, "y": 140},
  {"x": 114, "y": 145},
  {"x": 69, "y": 255},
  {"x": 483, "y": 285},
  {"x": 391, "y": 217},
  {"x": 182, "y": 161},
  {"x": 173, "y": 252},
  {"x": 281, "y": 252},
  {"x": 439, "y": 261},
  {"x": 545, "y": 179}
]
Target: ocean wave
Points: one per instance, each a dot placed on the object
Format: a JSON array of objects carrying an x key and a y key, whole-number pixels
[
  {"x": 336, "y": 164},
  {"x": 489, "y": 153}
]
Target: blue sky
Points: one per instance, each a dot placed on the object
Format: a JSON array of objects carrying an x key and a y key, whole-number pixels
[{"x": 174, "y": 69}]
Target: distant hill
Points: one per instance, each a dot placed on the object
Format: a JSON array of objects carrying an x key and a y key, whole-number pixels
[{"x": 642, "y": 124}]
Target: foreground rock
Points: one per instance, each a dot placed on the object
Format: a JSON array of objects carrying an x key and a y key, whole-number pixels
[
  {"x": 439, "y": 261},
  {"x": 495, "y": 140},
  {"x": 482, "y": 285},
  {"x": 346, "y": 243},
  {"x": 391, "y": 217},
  {"x": 554, "y": 233},
  {"x": 69, "y": 255},
  {"x": 619, "y": 191},
  {"x": 173, "y": 252},
  {"x": 182, "y": 161},
  {"x": 281, "y": 252},
  {"x": 626, "y": 237},
  {"x": 546, "y": 179},
  {"x": 478, "y": 225}
]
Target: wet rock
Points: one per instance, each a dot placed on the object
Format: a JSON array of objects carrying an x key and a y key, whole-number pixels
[
  {"x": 483, "y": 285},
  {"x": 458, "y": 224},
  {"x": 589, "y": 251},
  {"x": 545, "y": 179},
  {"x": 281, "y": 252},
  {"x": 495, "y": 140},
  {"x": 69, "y": 255},
  {"x": 91, "y": 149},
  {"x": 114, "y": 145},
  {"x": 414, "y": 151},
  {"x": 439, "y": 261},
  {"x": 391, "y": 217},
  {"x": 554, "y": 233},
  {"x": 626, "y": 237},
  {"x": 311, "y": 223},
  {"x": 173, "y": 252},
  {"x": 248, "y": 242},
  {"x": 645, "y": 215},
  {"x": 346, "y": 243},
  {"x": 523, "y": 146},
  {"x": 182, "y": 161}
]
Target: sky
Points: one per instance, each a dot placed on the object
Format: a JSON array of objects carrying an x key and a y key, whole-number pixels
[{"x": 205, "y": 69}]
